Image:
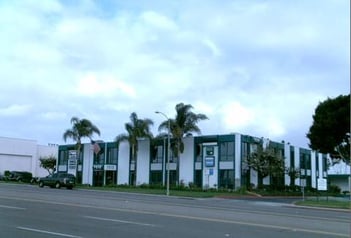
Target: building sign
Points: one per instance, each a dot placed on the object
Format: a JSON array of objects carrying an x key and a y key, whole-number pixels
[
  {"x": 322, "y": 184},
  {"x": 209, "y": 172},
  {"x": 209, "y": 161},
  {"x": 110, "y": 167},
  {"x": 98, "y": 167},
  {"x": 72, "y": 166},
  {"x": 72, "y": 154}
]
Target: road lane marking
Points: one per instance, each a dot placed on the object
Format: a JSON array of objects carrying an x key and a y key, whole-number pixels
[
  {"x": 119, "y": 221},
  {"x": 47, "y": 232},
  {"x": 10, "y": 207},
  {"x": 186, "y": 217}
]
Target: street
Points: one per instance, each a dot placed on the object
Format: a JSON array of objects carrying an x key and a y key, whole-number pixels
[{"x": 30, "y": 211}]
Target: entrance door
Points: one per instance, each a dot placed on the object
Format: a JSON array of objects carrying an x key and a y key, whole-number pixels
[{"x": 98, "y": 178}]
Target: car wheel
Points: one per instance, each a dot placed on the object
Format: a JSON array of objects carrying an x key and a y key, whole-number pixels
[
  {"x": 57, "y": 185},
  {"x": 41, "y": 184}
]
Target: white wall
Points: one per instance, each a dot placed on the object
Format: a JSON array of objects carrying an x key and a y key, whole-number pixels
[
  {"x": 143, "y": 162},
  {"x": 123, "y": 163},
  {"x": 88, "y": 158},
  {"x": 15, "y": 162},
  {"x": 313, "y": 169},
  {"x": 287, "y": 163},
  {"x": 339, "y": 168},
  {"x": 297, "y": 163},
  {"x": 23, "y": 155},
  {"x": 186, "y": 161},
  {"x": 238, "y": 159}
]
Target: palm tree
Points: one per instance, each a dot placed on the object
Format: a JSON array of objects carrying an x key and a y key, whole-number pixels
[
  {"x": 184, "y": 124},
  {"x": 136, "y": 128},
  {"x": 80, "y": 128}
]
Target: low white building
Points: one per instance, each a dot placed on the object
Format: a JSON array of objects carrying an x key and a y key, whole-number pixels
[
  {"x": 339, "y": 174},
  {"x": 23, "y": 155}
]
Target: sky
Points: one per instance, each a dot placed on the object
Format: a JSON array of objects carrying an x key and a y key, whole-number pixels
[{"x": 256, "y": 67}]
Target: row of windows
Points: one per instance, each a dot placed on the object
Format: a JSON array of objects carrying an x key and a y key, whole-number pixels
[
  {"x": 226, "y": 153},
  {"x": 226, "y": 178},
  {"x": 111, "y": 158}
]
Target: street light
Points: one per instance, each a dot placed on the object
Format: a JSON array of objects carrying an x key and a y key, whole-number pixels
[{"x": 168, "y": 149}]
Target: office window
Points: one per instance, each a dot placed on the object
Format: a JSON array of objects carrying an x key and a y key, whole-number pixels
[
  {"x": 112, "y": 156},
  {"x": 63, "y": 157},
  {"x": 173, "y": 158},
  {"x": 226, "y": 151},
  {"x": 292, "y": 157},
  {"x": 99, "y": 158},
  {"x": 244, "y": 150},
  {"x": 198, "y": 153},
  {"x": 157, "y": 156},
  {"x": 226, "y": 178},
  {"x": 156, "y": 177}
]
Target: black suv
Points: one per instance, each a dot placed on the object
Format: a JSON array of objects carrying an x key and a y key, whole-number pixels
[
  {"x": 58, "y": 180},
  {"x": 20, "y": 176}
]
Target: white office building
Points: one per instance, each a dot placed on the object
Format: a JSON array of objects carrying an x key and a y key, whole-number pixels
[{"x": 215, "y": 161}]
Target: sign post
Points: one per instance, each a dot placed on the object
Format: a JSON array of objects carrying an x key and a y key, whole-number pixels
[
  {"x": 322, "y": 185},
  {"x": 303, "y": 185}
]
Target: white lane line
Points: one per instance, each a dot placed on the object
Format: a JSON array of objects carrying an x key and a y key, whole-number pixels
[
  {"x": 47, "y": 232},
  {"x": 10, "y": 207},
  {"x": 120, "y": 221}
]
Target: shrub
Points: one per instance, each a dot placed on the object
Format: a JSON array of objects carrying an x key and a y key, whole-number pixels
[
  {"x": 7, "y": 173},
  {"x": 334, "y": 189}
]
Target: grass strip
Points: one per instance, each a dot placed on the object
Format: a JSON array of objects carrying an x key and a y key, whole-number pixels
[{"x": 325, "y": 203}]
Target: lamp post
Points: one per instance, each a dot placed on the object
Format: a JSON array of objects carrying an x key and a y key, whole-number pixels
[{"x": 168, "y": 149}]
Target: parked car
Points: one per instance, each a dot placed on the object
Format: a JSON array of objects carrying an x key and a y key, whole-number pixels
[
  {"x": 35, "y": 180},
  {"x": 19, "y": 176},
  {"x": 58, "y": 180}
]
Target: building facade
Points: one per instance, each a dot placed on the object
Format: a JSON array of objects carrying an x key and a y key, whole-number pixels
[
  {"x": 214, "y": 161},
  {"x": 23, "y": 155}
]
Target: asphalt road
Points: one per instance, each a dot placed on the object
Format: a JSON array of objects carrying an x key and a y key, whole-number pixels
[{"x": 30, "y": 211}]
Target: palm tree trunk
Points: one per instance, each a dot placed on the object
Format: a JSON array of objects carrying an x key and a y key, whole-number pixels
[
  {"x": 178, "y": 161},
  {"x": 260, "y": 180},
  {"x": 134, "y": 156}
]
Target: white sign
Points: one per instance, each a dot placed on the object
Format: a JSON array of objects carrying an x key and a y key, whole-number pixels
[
  {"x": 322, "y": 184},
  {"x": 110, "y": 167},
  {"x": 303, "y": 182},
  {"x": 72, "y": 166}
]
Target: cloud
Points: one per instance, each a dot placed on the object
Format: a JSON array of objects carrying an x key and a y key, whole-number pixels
[
  {"x": 159, "y": 21},
  {"x": 93, "y": 85},
  {"x": 15, "y": 110},
  {"x": 236, "y": 116},
  {"x": 254, "y": 67}
]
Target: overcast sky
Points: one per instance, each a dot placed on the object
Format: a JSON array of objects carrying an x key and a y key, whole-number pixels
[{"x": 253, "y": 67}]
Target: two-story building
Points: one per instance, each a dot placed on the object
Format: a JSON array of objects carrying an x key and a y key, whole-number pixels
[{"x": 213, "y": 161}]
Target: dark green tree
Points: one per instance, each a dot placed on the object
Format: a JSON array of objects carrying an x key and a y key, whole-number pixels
[
  {"x": 184, "y": 124},
  {"x": 330, "y": 131},
  {"x": 136, "y": 129},
  {"x": 48, "y": 163},
  {"x": 266, "y": 161},
  {"x": 293, "y": 173},
  {"x": 80, "y": 128}
]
